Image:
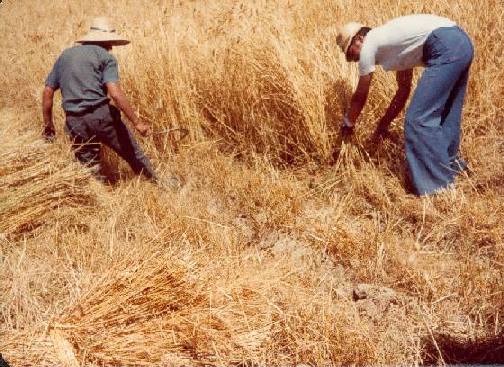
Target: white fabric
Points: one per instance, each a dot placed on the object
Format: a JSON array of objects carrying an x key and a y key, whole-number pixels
[{"x": 398, "y": 44}]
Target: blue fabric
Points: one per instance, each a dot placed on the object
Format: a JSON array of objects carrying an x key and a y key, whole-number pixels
[
  {"x": 81, "y": 73},
  {"x": 432, "y": 126}
]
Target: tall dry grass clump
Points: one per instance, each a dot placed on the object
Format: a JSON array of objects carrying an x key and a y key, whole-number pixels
[{"x": 286, "y": 245}]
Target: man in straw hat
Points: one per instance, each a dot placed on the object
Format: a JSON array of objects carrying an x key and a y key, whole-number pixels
[
  {"x": 86, "y": 73},
  {"x": 432, "y": 122}
]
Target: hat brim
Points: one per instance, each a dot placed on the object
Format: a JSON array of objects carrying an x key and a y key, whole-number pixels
[{"x": 110, "y": 38}]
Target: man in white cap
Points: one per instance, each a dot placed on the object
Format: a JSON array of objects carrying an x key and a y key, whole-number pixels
[
  {"x": 432, "y": 123},
  {"x": 87, "y": 74}
]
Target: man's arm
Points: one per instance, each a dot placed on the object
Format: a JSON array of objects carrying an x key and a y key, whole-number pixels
[
  {"x": 359, "y": 98},
  {"x": 397, "y": 104},
  {"x": 120, "y": 99},
  {"x": 47, "y": 105}
]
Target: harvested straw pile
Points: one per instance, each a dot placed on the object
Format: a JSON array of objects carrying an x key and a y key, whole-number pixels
[
  {"x": 36, "y": 181},
  {"x": 135, "y": 313},
  {"x": 163, "y": 310}
]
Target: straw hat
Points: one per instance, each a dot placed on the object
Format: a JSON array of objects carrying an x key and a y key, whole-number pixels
[
  {"x": 346, "y": 33},
  {"x": 101, "y": 31}
]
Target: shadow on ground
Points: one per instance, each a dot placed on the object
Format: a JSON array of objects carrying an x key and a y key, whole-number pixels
[
  {"x": 3, "y": 362},
  {"x": 453, "y": 350}
]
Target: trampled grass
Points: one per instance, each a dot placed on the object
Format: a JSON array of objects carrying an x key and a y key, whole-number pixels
[{"x": 286, "y": 245}]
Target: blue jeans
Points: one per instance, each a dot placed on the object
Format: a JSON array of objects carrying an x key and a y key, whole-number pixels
[{"x": 432, "y": 126}]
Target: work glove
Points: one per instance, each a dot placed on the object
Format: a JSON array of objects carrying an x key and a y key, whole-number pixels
[
  {"x": 347, "y": 128},
  {"x": 49, "y": 133}
]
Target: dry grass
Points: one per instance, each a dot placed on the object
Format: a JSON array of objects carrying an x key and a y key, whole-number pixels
[
  {"x": 256, "y": 260},
  {"x": 36, "y": 181}
]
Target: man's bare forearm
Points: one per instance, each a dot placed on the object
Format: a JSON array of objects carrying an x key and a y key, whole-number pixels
[
  {"x": 47, "y": 106},
  {"x": 47, "y": 115},
  {"x": 359, "y": 98},
  {"x": 356, "y": 105},
  {"x": 396, "y": 106},
  {"x": 122, "y": 103},
  {"x": 404, "y": 78}
]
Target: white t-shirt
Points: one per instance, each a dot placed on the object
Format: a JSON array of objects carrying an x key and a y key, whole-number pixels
[{"x": 398, "y": 44}]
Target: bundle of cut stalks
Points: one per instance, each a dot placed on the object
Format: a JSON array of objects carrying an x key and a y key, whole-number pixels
[
  {"x": 157, "y": 310},
  {"x": 35, "y": 180}
]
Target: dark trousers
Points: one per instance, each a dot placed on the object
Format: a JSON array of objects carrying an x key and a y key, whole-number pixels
[
  {"x": 432, "y": 127},
  {"x": 104, "y": 126}
]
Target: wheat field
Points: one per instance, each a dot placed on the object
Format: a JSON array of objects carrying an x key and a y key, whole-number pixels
[{"x": 286, "y": 244}]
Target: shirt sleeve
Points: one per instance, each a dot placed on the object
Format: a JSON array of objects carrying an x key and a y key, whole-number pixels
[
  {"x": 110, "y": 70},
  {"x": 52, "y": 79},
  {"x": 367, "y": 59}
]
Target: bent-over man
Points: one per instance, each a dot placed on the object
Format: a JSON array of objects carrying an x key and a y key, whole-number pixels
[{"x": 432, "y": 123}]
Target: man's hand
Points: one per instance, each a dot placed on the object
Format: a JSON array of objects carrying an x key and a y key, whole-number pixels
[
  {"x": 143, "y": 128},
  {"x": 347, "y": 128},
  {"x": 381, "y": 131},
  {"x": 347, "y": 131},
  {"x": 49, "y": 133}
]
